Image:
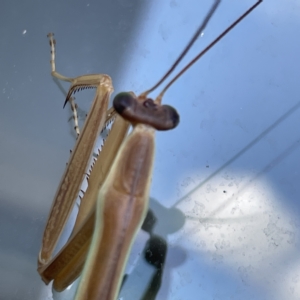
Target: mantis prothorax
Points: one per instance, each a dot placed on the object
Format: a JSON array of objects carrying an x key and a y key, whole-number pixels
[{"x": 114, "y": 205}]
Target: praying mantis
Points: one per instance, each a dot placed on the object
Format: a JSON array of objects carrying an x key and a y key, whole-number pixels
[{"x": 115, "y": 203}]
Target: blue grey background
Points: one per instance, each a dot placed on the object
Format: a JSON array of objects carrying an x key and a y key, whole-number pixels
[{"x": 225, "y": 188}]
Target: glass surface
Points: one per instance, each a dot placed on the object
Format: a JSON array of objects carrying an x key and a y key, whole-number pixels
[{"x": 225, "y": 190}]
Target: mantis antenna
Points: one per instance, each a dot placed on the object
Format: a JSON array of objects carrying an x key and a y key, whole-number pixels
[
  {"x": 189, "y": 45},
  {"x": 192, "y": 41}
]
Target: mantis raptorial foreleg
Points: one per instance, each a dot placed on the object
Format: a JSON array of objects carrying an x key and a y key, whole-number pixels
[
  {"x": 72, "y": 178},
  {"x": 106, "y": 229},
  {"x": 62, "y": 268}
]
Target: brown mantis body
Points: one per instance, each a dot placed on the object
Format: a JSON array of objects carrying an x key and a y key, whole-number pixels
[{"x": 114, "y": 206}]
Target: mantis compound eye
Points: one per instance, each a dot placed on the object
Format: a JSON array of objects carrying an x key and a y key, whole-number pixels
[{"x": 160, "y": 117}]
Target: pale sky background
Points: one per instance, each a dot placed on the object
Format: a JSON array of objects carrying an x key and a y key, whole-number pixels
[{"x": 228, "y": 175}]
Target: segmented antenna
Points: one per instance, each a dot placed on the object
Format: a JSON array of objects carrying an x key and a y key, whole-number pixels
[
  {"x": 192, "y": 41},
  {"x": 189, "y": 45},
  {"x": 215, "y": 41}
]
